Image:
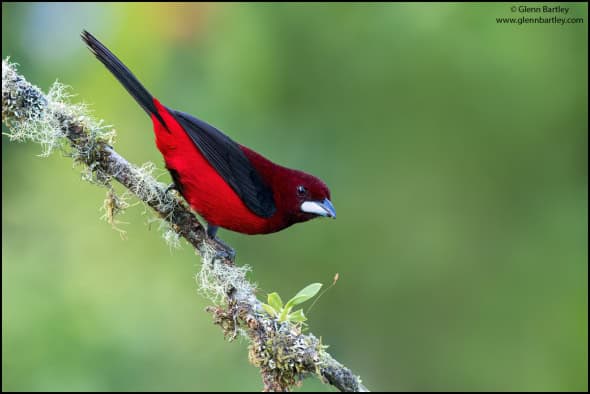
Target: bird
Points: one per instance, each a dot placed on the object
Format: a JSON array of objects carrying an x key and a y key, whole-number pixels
[{"x": 228, "y": 184}]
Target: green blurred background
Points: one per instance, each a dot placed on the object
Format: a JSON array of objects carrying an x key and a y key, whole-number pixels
[{"x": 455, "y": 149}]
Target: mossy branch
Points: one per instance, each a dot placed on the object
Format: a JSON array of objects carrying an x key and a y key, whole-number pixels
[{"x": 281, "y": 351}]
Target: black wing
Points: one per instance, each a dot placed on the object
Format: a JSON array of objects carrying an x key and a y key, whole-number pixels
[{"x": 231, "y": 163}]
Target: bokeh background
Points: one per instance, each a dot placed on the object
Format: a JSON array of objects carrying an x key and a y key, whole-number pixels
[{"x": 455, "y": 148}]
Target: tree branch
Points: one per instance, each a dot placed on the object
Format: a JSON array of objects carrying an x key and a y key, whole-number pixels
[{"x": 281, "y": 351}]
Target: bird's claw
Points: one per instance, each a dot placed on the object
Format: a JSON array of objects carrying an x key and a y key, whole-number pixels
[
  {"x": 223, "y": 251},
  {"x": 172, "y": 186}
]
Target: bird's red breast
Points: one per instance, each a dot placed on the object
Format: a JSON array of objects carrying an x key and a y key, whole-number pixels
[{"x": 202, "y": 186}]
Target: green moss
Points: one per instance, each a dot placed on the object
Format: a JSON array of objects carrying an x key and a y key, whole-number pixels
[{"x": 282, "y": 353}]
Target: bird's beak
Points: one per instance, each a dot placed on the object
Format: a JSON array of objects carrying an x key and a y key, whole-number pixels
[{"x": 320, "y": 208}]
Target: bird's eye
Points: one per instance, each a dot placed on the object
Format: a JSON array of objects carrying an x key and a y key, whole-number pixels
[{"x": 301, "y": 190}]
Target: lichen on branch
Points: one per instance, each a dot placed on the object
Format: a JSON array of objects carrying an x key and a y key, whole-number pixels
[{"x": 283, "y": 353}]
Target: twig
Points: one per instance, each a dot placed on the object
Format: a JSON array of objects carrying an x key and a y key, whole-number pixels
[{"x": 283, "y": 353}]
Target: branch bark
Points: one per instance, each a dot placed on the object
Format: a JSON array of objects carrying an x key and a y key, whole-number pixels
[{"x": 282, "y": 352}]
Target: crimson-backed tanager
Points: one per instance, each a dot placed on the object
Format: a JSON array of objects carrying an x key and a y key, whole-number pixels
[{"x": 228, "y": 184}]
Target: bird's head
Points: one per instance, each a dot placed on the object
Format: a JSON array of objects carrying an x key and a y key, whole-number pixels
[{"x": 304, "y": 197}]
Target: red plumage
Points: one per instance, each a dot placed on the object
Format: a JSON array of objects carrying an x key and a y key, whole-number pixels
[{"x": 228, "y": 184}]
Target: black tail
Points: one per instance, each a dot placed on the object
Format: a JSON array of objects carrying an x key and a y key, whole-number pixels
[{"x": 122, "y": 73}]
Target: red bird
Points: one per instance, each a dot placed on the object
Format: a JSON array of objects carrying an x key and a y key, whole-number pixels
[{"x": 228, "y": 184}]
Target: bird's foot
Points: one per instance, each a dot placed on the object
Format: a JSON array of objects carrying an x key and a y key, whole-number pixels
[
  {"x": 212, "y": 230},
  {"x": 223, "y": 251},
  {"x": 172, "y": 186}
]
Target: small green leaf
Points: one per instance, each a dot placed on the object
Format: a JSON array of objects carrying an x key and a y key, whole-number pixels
[
  {"x": 275, "y": 301},
  {"x": 297, "y": 316},
  {"x": 284, "y": 313},
  {"x": 304, "y": 295},
  {"x": 270, "y": 310}
]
